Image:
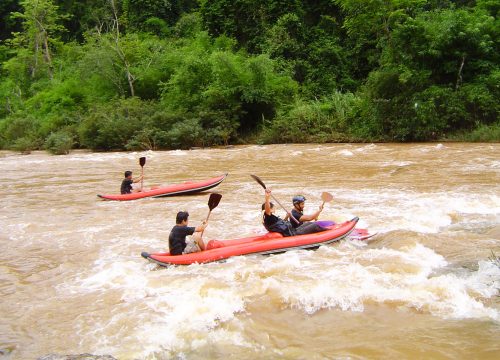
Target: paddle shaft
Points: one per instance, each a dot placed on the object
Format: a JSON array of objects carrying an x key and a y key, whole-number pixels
[
  {"x": 209, "y": 212},
  {"x": 142, "y": 162},
  {"x": 142, "y": 177},
  {"x": 321, "y": 207},
  {"x": 288, "y": 212},
  {"x": 261, "y": 183}
]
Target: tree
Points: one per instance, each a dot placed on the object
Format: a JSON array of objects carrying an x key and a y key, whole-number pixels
[{"x": 41, "y": 24}]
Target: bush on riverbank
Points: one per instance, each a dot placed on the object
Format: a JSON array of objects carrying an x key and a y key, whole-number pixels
[
  {"x": 482, "y": 133},
  {"x": 330, "y": 119}
]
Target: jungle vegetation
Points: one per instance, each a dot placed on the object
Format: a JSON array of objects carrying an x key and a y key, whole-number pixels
[{"x": 163, "y": 74}]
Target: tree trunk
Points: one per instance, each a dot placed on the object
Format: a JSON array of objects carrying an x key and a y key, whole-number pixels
[
  {"x": 459, "y": 75},
  {"x": 130, "y": 77},
  {"x": 46, "y": 53}
]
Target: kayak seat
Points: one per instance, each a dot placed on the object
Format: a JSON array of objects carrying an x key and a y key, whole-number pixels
[{"x": 214, "y": 244}]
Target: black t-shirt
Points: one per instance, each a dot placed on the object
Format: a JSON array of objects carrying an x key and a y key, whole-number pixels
[
  {"x": 275, "y": 224},
  {"x": 126, "y": 186},
  {"x": 177, "y": 238},
  {"x": 296, "y": 214}
]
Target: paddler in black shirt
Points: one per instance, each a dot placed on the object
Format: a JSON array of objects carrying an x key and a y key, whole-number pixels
[
  {"x": 177, "y": 242},
  {"x": 298, "y": 211},
  {"x": 273, "y": 223},
  {"x": 126, "y": 187}
]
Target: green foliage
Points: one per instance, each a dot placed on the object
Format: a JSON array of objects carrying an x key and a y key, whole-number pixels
[
  {"x": 17, "y": 127},
  {"x": 25, "y": 144},
  {"x": 59, "y": 143},
  {"x": 139, "y": 13},
  {"x": 482, "y": 133},
  {"x": 155, "y": 74},
  {"x": 327, "y": 120},
  {"x": 111, "y": 126},
  {"x": 224, "y": 90},
  {"x": 232, "y": 18},
  {"x": 41, "y": 22}
]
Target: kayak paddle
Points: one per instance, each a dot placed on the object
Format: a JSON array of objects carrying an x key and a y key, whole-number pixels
[
  {"x": 142, "y": 162},
  {"x": 213, "y": 201},
  {"x": 256, "y": 178},
  {"x": 326, "y": 197}
]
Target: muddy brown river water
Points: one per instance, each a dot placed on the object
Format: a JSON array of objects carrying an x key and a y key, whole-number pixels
[{"x": 72, "y": 279}]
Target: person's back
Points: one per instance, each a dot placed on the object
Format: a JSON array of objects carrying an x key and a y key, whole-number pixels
[
  {"x": 177, "y": 238},
  {"x": 126, "y": 187},
  {"x": 178, "y": 243}
]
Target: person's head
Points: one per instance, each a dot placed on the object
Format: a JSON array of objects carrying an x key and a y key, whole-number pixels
[
  {"x": 128, "y": 174},
  {"x": 299, "y": 202},
  {"x": 182, "y": 218},
  {"x": 270, "y": 204}
]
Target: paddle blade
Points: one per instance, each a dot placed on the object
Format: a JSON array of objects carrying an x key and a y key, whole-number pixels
[
  {"x": 256, "y": 178},
  {"x": 142, "y": 161},
  {"x": 326, "y": 197},
  {"x": 214, "y": 200}
]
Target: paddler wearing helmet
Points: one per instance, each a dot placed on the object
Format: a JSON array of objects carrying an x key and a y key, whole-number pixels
[{"x": 298, "y": 211}]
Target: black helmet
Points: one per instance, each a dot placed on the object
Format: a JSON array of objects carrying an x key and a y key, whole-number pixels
[{"x": 298, "y": 199}]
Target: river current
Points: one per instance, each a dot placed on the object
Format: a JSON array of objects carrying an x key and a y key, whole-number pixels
[{"x": 72, "y": 279}]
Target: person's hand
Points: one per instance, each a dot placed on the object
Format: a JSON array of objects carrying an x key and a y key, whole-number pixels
[
  {"x": 268, "y": 193},
  {"x": 321, "y": 207}
]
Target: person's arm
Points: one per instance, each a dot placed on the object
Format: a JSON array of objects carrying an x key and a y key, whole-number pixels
[
  {"x": 138, "y": 179},
  {"x": 202, "y": 227},
  {"x": 267, "y": 208},
  {"x": 313, "y": 216}
]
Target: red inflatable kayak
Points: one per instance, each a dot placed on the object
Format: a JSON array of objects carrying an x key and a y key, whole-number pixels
[
  {"x": 270, "y": 243},
  {"x": 188, "y": 187}
]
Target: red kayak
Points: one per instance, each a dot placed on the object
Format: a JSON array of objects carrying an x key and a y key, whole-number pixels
[
  {"x": 188, "y": 187},
  {"x": 270, "y": 243}
]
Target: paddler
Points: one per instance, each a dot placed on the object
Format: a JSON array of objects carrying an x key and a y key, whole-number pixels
[
  {"x": 273, "y": 223},
  {"x": 297, "y": 212},
  {"x": 126, "y": 187},
  {"x": 178, "y": 241}
]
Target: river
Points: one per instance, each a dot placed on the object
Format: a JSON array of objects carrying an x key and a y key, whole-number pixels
[{"x": 72, "y": 279}]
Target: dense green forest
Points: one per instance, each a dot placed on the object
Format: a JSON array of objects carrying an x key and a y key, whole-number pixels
[{"x": 160, "y": 74}]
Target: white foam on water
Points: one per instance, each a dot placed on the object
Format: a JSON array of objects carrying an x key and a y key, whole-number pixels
[
  {"x": 396, "y": 163},
  {"x": 366, "y": 148},
  {"x": 345, "y": 152},
  {"x": 178, "y": 152},
  {"x": 296, "y": 153},
  {"x": 432, "y": 148},
  {"x": 317, "y": 149},
  {"x": 421, "y": 212},
  {"x": 401, "y": 278},
  {"x": 167, "y": 308}
]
